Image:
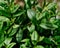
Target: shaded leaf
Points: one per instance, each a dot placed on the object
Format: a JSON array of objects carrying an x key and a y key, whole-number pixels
[{"x": 19, "y": 35}]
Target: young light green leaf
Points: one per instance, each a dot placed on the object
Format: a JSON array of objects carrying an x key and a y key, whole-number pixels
[
  {"x": 25, "y": 40},
  {"x": 34, "y": 37},
  {"x": 11, "y": 45},
  {"x": 3, "y": 19},
  {"x": 7, "y": 41},
  {"x": 44, "y": 26},
  {"x": 31, "y": 14},
  {"x": 41, "y": 38},
  {"x": 15, "y": 26},
  {"x": 31, "y": 28},
  {"x": 39, "y": 46}
]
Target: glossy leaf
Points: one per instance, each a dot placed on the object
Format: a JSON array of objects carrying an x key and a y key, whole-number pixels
[
  {"x": 31, "y": 14},
  {"x": 34, "y": 37}
]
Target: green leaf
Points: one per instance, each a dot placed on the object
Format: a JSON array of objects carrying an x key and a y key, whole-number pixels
[
  {"x": 51, "y": 6},
  {"x": 57, "y": 39},
  {"x": 14, "y": 8},
  {"x": 7, "y": 41},
  {"x": 26, "y": 1},
  {"x": 34, "y": 37},
  {"x": 11, "y": 45},
  {"x": 9, "y": 30},
  {"x": 19, "y": 14},
  {"x": 31, "y": 14},
  {"x": 54, "y": 26},
  {"x": 2, "y": 8},
  {"x": 58, "y": 46},
  {"x": 4, "y": 13},
  {"x": 1, "y": 25},
  {"x": 47, "y": 41},
  {"x": 3, "y": 19},
  {"x": 4, "y": 22},
  {"x": 43, "y": 15},
  {"x": 39, "y": 46},
  {"x": 41, "y": 38},
  {"x": 14, "y": 30},
  {"x": 31, "y": 28},
  {"x": 58, "y": 13},
  {"x": 44, "y": 26},
  {"x": 48, "y": 26},
  {"x": 1, "y": 38},
  {"x": 27, "y": 5},
  {"x": 53, "y": 20},
  {"x": 19, "y": 35},
  {"x": 24, "y": 40},
  {"x": 10, "y": 1},
  {"x": 15, "y": 26},
  {"x": 23, "y": 46}
]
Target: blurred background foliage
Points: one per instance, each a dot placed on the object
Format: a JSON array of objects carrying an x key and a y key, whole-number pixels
[{"x": 41, "y": 2}]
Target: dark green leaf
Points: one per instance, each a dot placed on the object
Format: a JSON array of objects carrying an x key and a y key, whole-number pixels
[{"x": 19, "y": 35}]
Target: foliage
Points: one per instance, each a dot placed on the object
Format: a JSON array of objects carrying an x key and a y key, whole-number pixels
[{"x": 31, "y": 26}]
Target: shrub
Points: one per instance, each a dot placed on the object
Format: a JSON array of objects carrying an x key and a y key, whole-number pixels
[{"x": 30, "y": 26}]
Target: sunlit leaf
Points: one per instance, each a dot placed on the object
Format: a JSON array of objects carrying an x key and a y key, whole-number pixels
[
  {"x": 39, "y": 46},
  {"x": 34, "y": 37},
  {"x": 7, "y": 41},
  {"x": 31, "y": 14},
  {"x": 11, "y": 45}
]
